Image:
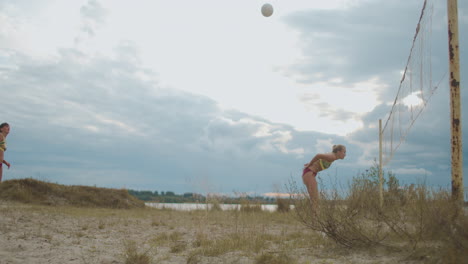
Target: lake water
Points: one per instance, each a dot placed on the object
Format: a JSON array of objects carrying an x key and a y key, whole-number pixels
[
  {"x": 201, "y": 206},
  {"x": 225, "y": 207}
]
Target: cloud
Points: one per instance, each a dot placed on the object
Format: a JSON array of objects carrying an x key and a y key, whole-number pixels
[
  {"x": 248, "y": 134},
  {"x": 348, "y": 43},
  {"x": 93, "y": 14},
  {"x": 277, "y": 195},
  {"x": 417, "y": 171},
  {"x": 87, "y": 119},
  {"x": 348, "y": 49}
]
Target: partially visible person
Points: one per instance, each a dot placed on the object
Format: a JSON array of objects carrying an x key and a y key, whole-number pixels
[
  {"x": 4, "y": 131},
  {"x": 318, "y": 163}
]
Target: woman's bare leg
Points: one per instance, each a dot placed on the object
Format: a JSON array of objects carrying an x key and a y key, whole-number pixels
[
  {"x": 1, "y": 163},
  {"x": 312, "y": 188}
]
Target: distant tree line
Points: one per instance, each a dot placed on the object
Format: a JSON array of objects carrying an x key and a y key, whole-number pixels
[{"x": 171, "y": 197}]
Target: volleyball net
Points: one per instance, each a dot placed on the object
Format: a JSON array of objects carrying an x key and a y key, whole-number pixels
[{"x": 415, "y": 89}]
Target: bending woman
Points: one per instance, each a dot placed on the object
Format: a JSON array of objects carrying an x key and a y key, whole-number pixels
[
  {"x": 318, "y": 163},
  {"x": 4, "y": 131}
]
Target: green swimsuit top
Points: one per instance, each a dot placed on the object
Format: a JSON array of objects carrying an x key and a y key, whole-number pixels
[
  {"x": 324, "y": 164},
  {"x": 3, "y": 145}
]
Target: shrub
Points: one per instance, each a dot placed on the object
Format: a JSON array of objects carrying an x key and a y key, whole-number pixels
[
  {"x": 248, "y": 206},
  {"x": 283, "y": 205},
  {"x": 413, "y": 217}
]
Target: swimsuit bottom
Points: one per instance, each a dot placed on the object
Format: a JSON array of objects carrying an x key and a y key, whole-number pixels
[{"x": 306, "y": 170}]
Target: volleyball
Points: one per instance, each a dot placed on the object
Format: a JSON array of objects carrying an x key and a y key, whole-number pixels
[{"x": 267, "y": 10}]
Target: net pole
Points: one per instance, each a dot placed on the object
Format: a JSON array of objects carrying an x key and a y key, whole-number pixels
[
  {"x": 455, "y": 104},
  {"x": 380, "y": 165}
]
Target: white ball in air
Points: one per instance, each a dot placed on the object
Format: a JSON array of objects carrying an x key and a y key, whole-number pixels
[{"x": 267, "y": 10}]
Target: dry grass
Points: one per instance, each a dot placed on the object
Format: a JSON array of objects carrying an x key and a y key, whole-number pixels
[
  {"x": 38, "y": 233},
  {"x": 95, "y": 235},
  {"x": 39, "y": 192},
  {"x": 64, "y": 234},
  {"x": 272, "y": 258},
  {"x": 422, "y": 223}
]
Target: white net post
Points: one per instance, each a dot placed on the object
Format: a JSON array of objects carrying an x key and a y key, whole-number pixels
[{"x": 380, "y": 165}]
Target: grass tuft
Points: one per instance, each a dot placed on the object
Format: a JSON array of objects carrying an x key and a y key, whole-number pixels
[
  {"x": 283, "y": 205},
  {"x": 271, "y": 258},
  {"x": 132, "y": 256}
]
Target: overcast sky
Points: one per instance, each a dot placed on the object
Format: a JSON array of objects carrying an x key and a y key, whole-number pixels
[{"x": 210, "y": 96}]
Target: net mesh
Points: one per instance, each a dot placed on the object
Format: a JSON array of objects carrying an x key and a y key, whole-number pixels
[{"x": 415, "y": 89}]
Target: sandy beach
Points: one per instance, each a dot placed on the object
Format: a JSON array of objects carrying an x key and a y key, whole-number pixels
[{"x": 46, "y": 234}]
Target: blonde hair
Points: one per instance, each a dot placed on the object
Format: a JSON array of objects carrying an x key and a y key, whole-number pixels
[{"x": 337, "y": 148}]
